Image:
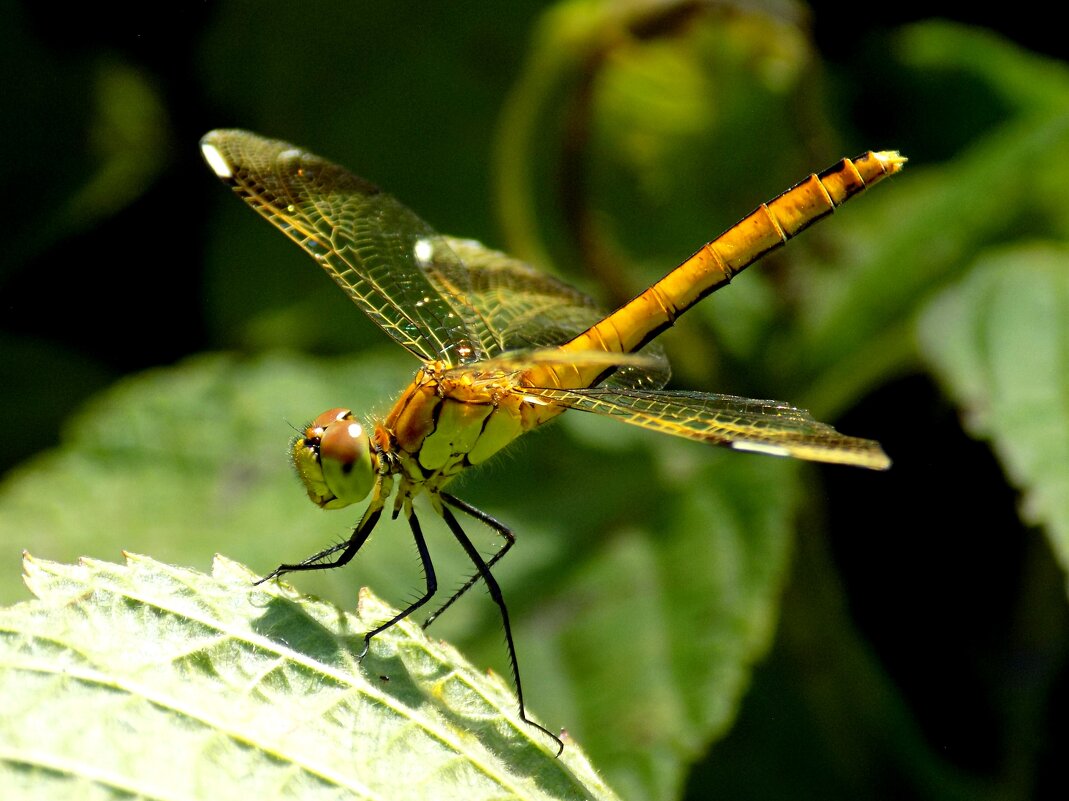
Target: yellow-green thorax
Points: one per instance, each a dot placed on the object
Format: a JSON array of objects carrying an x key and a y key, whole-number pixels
[{"x": 451, "y": 419}]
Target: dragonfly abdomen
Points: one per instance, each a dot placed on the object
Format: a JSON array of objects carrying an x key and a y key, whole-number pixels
[{"x": 766, "y": 228}]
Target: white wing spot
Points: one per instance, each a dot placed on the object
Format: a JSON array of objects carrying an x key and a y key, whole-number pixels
[
  {"x": 761, "y": 447},
  {"x": 424, "y": 251},
  {"x": 216, "y": 161}
]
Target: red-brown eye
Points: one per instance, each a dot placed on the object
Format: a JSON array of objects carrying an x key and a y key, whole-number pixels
[{"x": 333, "y": 459}]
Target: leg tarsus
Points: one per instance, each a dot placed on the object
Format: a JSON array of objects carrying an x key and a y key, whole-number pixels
[
  {"x": 349, "y": 549},
  {"x": 432, "y": 585},
  {"x": 495, "y": 592}
]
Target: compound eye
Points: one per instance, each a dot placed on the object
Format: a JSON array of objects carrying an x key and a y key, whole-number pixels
[
  {"x": 315, "y": 429},
  {"x": 333, "y": 459}
]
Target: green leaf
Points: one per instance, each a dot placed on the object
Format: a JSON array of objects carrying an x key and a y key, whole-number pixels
[
  {"x": 1025, "y": 81},
  {"x": 150, "y": 681},
  {"x": 999, "y": 343}
]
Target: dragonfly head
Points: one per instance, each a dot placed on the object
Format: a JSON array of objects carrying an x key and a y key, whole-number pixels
[{"x": 334, "y": 459}]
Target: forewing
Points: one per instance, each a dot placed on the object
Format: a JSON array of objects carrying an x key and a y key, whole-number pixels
[
  {"x": 392, "y": 264},
  {"x": 528, "y": 310},
  {"x": 759, "y": 426}
]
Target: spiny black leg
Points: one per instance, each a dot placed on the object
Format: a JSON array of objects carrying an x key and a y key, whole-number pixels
[
  {"x": 432, "y": 584},
  {"x": 495, "y": 593},
  {"x": 496, "y": 526},
  {"x": 349, "y": 548}
]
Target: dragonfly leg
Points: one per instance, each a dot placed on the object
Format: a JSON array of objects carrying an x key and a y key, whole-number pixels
[
  {"x": 495, "y": 592},
  {"x": 348, "y": 548},
  {"x": 428, "y": 572},
  {"x": 492, "y": 523}
]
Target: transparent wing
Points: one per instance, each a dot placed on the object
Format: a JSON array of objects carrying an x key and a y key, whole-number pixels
[
  {"x": 760, "y": 426},
  {"x": 528, "y": 310},
  {"x": 392, "y": 264}
]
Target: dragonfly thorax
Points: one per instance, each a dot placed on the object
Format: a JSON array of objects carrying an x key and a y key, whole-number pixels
[{"x": 335, "y": 459}]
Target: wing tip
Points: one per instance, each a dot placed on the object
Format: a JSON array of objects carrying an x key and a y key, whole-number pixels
[
  {"x": 871, "y": 457},
  {"x": 215, "y": 159}
]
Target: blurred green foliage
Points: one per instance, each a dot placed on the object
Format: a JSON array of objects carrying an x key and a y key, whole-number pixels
[{"x": 917, "y": 622}]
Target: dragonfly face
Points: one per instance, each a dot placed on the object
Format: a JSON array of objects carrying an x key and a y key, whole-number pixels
[
  {"x": 334, "y": 460},
  {"x": 506, "y": 348}
]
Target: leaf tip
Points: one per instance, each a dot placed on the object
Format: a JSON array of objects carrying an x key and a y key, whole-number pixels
[{"x": 226, "y": 569}]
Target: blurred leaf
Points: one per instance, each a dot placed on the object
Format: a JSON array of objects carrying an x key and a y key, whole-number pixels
[
  {"x": 999, "y": 343},
  {"x": 213, "y": 429},
  {"x": 895, "y": 250},
  {"x": 1026, "y": 82},
  {"x": 635, "y": 100},
  {"x": 824, "y": 717},
  {"x": 67, "y": 186},
  {"x": 680, "y": 587},
  {"x": 154, "y": 681},
  {"x": 690, "y": 130},
  {"x": 128, "y": 139},
  {"x": 688, "y": 605}
]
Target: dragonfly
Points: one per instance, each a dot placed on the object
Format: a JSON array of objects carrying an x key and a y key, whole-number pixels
[{"x": 505, "y": 348}]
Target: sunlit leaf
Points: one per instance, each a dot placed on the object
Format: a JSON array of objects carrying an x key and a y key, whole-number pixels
[{"x": 150, "y": 681}]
